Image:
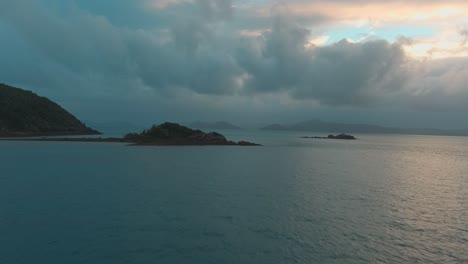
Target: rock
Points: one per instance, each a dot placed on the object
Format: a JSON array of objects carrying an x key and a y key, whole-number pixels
[{"x": 342, "y": 136}]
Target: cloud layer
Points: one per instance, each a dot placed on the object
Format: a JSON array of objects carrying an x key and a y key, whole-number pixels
[{"x": 204, "y": 51}]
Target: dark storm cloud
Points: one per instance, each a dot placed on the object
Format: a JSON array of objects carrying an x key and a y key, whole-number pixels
[
  {"x": 197, "y": 46},
  {"x": 184, "y": 55},
  {"x": 343, "y": 73}
]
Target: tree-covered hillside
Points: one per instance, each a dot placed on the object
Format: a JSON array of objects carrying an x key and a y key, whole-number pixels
[{"x": 23, "y": 113}]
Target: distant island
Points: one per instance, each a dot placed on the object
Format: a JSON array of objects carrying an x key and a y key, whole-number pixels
[
  {"x": 340, "y": 136},
  {"x": 331, "y": 127},
  {"x": 166, "y": 134},
  {"x": 213, "y": 125},
  {"x": 25, "y": 114},
  {"x": 175, "y": 134}
]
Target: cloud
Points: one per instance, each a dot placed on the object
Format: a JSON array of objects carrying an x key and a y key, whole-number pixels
[
  {"x": 343, "y": 73},
  {"x": 197, "y": 48},
  {"x": 439, "y": 85},
  {"x": 380, "y": 10}
]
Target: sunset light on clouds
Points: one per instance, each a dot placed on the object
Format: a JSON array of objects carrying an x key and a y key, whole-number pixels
[{"x": 435, "y": 28}]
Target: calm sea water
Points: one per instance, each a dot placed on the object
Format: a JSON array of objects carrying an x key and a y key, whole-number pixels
[{"x": 381, "y": 199}]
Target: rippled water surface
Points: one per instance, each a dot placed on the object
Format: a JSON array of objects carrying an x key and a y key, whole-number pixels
[{"x": 381, "y": 199}]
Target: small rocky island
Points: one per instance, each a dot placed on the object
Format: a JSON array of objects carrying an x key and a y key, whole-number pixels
[
  {"x": 340, "y": 136},
  {"x": 173, "y": 134}
]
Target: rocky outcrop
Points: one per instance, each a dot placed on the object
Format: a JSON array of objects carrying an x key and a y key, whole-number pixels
[
  {"x": 340, "y": 136},
  {"x": 175, "y": 134}
]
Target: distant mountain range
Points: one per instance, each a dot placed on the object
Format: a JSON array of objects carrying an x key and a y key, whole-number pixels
[
  {"x": 213, "y": 125},
  {"x": 23, "y": 113},
  {"x": 331, "y": 127}
]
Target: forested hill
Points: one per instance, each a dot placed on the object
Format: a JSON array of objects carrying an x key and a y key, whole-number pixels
[{"x": 23, "y": 113}]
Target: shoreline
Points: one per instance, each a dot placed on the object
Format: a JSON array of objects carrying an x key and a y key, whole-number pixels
[
  {"x": 132, "y": 143},
  {"x": 46, "y": 134}
]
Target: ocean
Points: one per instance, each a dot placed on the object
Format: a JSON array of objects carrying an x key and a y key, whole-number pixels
[{"x": 380, "y": 199}]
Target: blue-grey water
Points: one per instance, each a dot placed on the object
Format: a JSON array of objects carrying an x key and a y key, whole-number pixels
[{"x": 381, "y": 199}]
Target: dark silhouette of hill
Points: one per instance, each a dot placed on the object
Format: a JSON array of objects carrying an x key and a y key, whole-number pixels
[
  {"x": 24, "y": 113},
  {"x": 175, "y": 134},
  {"x": 331, "y": 127}
]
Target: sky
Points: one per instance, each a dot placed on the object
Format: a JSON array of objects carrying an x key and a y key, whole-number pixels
[{"x": 392, "y": 63}]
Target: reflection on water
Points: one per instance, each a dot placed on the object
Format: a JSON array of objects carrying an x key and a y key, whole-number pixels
[{"x": 383, "y": 199}]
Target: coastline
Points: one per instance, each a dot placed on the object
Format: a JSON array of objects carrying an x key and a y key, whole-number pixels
[
  {"x": 47, "y": 134},
  {"x": 166, "y": 134},
  {"x": 133, "y": 143}
]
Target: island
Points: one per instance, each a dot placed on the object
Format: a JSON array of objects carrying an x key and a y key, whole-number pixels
[
  {"x": 175, "y": 134},
  {"x": 166, "y": 134},
  {"x": 340, "y": 136},
  {"x": 25, "y": 114}
]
